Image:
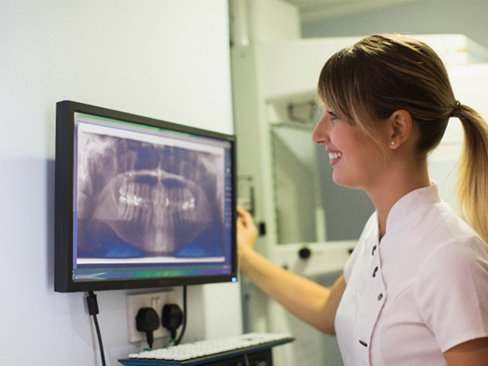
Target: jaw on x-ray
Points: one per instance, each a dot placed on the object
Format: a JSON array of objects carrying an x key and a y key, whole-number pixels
[{"x": 140, "y": 199}]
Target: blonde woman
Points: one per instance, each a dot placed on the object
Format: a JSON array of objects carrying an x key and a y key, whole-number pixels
[{"x": 415, "y": 289}]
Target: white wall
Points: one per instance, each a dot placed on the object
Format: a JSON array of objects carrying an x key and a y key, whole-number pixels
[{"x": 166, "y": 59}]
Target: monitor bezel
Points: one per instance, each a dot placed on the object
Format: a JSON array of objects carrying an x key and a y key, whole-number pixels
[{"x": 64, "y": 201}]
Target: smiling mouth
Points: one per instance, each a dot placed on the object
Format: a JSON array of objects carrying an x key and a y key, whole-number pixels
[{"x": 334, "y": 157}]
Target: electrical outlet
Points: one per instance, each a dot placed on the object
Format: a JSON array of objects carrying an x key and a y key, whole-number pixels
[{"x": 155, "y": 300}]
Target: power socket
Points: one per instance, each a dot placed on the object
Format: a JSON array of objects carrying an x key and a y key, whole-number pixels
[{"x": 155, "y": 300}]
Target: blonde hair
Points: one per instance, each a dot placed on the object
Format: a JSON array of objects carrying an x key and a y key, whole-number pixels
[
  {"x": 384, "y": 73},
  {"x": 473, "y": 170}
]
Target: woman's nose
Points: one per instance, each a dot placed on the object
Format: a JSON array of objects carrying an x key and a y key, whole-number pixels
[{"x": 320, "y": 134}]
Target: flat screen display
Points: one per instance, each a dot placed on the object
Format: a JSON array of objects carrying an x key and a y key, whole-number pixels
[{"x": 141, "y": 202}]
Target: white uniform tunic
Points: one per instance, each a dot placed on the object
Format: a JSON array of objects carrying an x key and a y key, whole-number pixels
[{"x": 416, "y": 293}]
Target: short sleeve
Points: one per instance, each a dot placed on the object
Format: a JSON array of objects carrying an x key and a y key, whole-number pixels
[{"x": 452, "y": 292}]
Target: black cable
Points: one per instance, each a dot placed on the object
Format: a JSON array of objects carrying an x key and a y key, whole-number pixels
[
  {"x": 185, "y": 316},
  {"x": 91, "y": 301}
]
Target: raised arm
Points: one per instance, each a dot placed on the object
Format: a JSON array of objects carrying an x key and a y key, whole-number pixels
[
  {"x": 473, "y": 353},
  {"x": 309, "y": 301}
]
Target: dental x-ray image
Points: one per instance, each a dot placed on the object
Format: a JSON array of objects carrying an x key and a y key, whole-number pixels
[{"x": 147, "y": 199}]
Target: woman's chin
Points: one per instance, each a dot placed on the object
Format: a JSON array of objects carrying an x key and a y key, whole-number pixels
[{"x": 342, "y": 181}]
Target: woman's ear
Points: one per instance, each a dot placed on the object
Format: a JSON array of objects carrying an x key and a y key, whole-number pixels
[{"x": 400, "y": 128}]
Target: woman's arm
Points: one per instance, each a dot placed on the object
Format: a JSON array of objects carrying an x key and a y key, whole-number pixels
[
  {"x": 472, "y": 353},
  {"x": 314, "y": 304}
]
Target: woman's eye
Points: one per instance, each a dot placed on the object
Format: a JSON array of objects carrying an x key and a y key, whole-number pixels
[{"x": 333, "y": 116}]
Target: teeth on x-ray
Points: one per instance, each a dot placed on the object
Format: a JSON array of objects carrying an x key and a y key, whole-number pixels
[
  {"x": 146, "y": 193},
  {"x": 137, "y": 200}
]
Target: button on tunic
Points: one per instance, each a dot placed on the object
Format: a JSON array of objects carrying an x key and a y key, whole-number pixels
[{"x": 419, "y": 292}]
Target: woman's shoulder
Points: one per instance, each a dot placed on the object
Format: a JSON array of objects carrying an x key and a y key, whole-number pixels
[
  {"x": 443, "y": 229},
  {"x": 462, "y": 256}
]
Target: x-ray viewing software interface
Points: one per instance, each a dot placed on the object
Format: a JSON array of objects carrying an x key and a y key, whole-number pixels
[{"x": 149, "y": 201}]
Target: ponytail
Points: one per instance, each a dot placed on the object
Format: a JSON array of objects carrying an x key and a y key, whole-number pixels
[
  {"x": 383, "y": 73},
  {"x": 472, "y": 186}
]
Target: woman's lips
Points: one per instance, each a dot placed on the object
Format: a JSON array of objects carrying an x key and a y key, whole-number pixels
[{"x": 334, "y": 157}]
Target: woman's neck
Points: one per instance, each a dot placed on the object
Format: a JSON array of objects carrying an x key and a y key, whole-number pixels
[{"x": 400, "y": 180}]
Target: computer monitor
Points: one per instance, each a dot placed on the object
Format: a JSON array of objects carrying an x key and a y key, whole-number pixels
[{"x": 141, "y": 202}]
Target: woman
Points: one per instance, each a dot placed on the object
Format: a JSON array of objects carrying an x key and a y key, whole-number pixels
[{"x": 415, "y": 289}]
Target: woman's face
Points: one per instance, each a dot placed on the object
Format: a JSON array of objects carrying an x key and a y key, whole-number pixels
[{"x": 356, "y": 159}]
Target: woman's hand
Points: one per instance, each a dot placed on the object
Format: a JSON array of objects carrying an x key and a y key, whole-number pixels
[
  {"x": 311, "y": 302},
  {"x": 246, "y": 234}
]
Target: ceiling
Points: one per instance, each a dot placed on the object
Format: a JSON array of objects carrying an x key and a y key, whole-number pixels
[{"x": 315, "y": 10}]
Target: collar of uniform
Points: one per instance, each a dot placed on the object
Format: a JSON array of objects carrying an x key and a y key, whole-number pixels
[{"x": 409, "y": 204}]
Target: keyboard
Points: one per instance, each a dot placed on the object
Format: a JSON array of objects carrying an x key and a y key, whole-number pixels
[{"x": 206, "y": 350}]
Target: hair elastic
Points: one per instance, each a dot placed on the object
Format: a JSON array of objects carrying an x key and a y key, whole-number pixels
[{"x": 456, "y": 110}]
